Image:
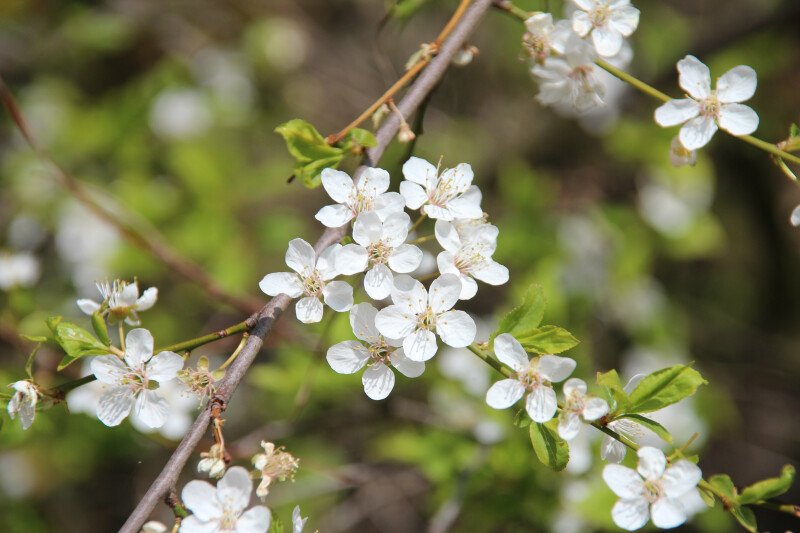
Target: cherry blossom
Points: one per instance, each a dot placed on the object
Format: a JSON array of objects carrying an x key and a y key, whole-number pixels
[
  {"x": 652, "y": 491},
  {"x": 533, "y": 376},
  {"x": 121, "y": 300},
  {"x": 468, "y": 255},
  {"x": 377, "y": 353},
  {"x": 611, "y": 449},
  {"x": 23, "y": 402},
  {"x": 311, "y": 279},
  {"x": 379, "y": 244},
  {"x": 131, "y": 381},
  {"x": 679, "y": 155},
  {"x": 571, "y": 79},
  {"x": 274, "y": 464},
  {"x": 222, "y": 509},
  {"x": 369, "y": 194},
  {"x": 704, "y": 111},
  {"x": 543, "y": 37},
  {"x": 418, "y": 315},
  {"x": 443, "y": 196},
  {"x": 578, "y": 405},
  {"x": 607, "y": 21}
]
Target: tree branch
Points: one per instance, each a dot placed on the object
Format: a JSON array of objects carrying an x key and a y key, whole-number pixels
[{"x": 265, "y": 319}]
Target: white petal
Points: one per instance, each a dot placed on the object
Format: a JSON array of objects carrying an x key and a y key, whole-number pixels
[
  {"x": 235, "y": 487},
  {"x": 308, "y": 310},
  {"x": 151, "y": 409},
  {"x": 164, "y": 366},
  {"x": 624, "y": 19},
  {"x": 630, "y": 514},
  {"x": 378, "y": 381},
  {"x": 446, "y": 261},
  {"x": 404, "y": 365},
  {"x": 447, "y": 235},
  {"x": 395, "y": 229},
  {"x": 326, "y": 262},
  {"x": 413, "y": 194},
  {"x": 436, "y": 212},
  {"x": 109, "y": 369},
  {"x": 539, "y": 23},
  {"x": 694, "y": 77},
  {"x": 351, "y": 259},
  {"x": 419, "y": 171},
  {"x": 147, "y": 300},
  {"x": 420, "y": 345},
  {"x": 138, "y": 347},
  {"x": 200, "y": 497},
  {"x": 510, "y": 352},
  {"x": 88, "y": 306},
  {"x": 373, "y": 181},
  {"x": 333, "y": 216},
  {"x": 651, "y": 462},
  {"x": 395, "y": 322},
  {"x": 459, "y": 177},
  {"x": 555, "y": 368},
  {"x": 625, "y": 482},
  {"x": 347, "y": 357},
  {"x": 378, "y": 282},
  {"x": 541, "y": 404},
  {"x": 569, "y": 425},
  {"x": 581, "y": 23},
  {"x": 586, "y": 5},
  {"x": 737, "y": 85},
  {"x": 612, "y": 450},
  {"x": 367, "y": 228},
  {"x": 362, "y": 321},
  {"x": 575, "y": 385},
  {"x": 594, "y": 408},
  {"x": 676, "y": 112},
  {"x": 287, "y": 283},
  {"x": 444, "y": 292},
  {"x": 469, "y": 287},
  {"x": 338, "y": 295},
  {"x": 300, "y": 256},
  {"x": 129, "y": 295},
  {"x": 681, "y": 477},
  {"x": 114, "y": 405},
  {"x": 405, "y": 258},
  {"x": 468, "y": 205},
  {"x": 633, "y": 382},
  {"x": 254, "y": 520},
  {"x": 667, "y": 513},
  {"x": 697, "y": 132},
  {"x": 456, "y": 329},
  {"x": 607, "y": 41},
  {"x": 738, "y": 119},
  {"x": 492, "y": 273},
  {"x": 410, "y": 294},
  {"x": 192, "y": 524},
  {"x": 389, "y": 203},
  {"x": 338, "y": 185},
  {"x": 298, "y": 522},
  {"x": 504, "y": 393}
]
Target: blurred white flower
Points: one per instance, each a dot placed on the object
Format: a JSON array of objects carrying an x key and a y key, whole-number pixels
[
  {"x": 87, "y": 244},
  {"x": 120, "y": 301},
  {"x": 179, "y": 114},
  {"x": 679, "y": 155},
  {"x": 607, "y": 21},
  {"x": 578, "y": 405},
  {"x": 212, "y": 462},
  {"x": 23, "y": 402},
  {"x": 571, "y": 79},
  {"x": 445, "y": 196},
  {"x": 298, "y": 522},
  {"x": 18, "y": 270},
  {"x": 543, "y": 37}
]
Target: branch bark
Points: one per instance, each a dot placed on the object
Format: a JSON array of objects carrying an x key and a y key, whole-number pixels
[{"x": 266, "y": 317}]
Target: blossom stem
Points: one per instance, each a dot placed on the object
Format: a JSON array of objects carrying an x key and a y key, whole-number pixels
[
  {"x": 121, "y": 330},
  {"x": 60, "y": 390},
  {"x": 424, "y": 238},
  {"x": 491, "y": 361},
  {"x": 235, "y": 353},
  {"x": 417, "y": 222},
  {"x": 511, "y": 9},
  {"x": 191, "y": 344}
]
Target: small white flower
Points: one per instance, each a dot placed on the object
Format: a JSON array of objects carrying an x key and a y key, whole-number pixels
[
  {"x": 578, "y": 405},
  {"x": 130, "y": 381},
  {"x": 222, "y": 509},
  {"x": 570, "y": 80},
  {"x": 377, "y": 353},
  {"x": 417, "y": 316},
  {"x": 381, "y": 245},
  {"x": 468, "y": 255},
  {"x": 608, "y": 22},
  {"x": 679, "y": 155},
  {"x": 611, "y": 449},
  {"x": 653, "y": 489},
  {"x": 312, "y": 281},
  {"x": 543, "y": 37},
  {"x": 18, "y": 270},
  {"x": 212, "y": 462},
  {"x": 121, "y": 300},
  {"x": 446, "y": 196},
  {"x": 298, "y": 522},
  {"x": 274, "y": 464},
  {"x": 23, "y": 402},
  {"x": 534, "y": 377},
  {"x": 369, "y": 195},
  {"x": 706, "y": 110}
]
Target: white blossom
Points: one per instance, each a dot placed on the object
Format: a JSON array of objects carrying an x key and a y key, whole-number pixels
[
  {"x": 381, "y": 246},
  {"x": 377, "y": 353},
  {"x": 704, "y": 111},
  {"x": 607, "y": 21},
  {"x": 468, "y": 255},
  {"x": 212, "y": 462},
  {"x": 418, "y": 315},
  {"x": 577, "y": 405},
  {"x": 298, "y": 522},
  {"x": 23, "y": 402},
  {"x": 351, "y": 199},
  {"x": 274, "y": 464},
  {"x": 534, "y": 376},
  {"x": 543, "y": 37},
  {"x": 443, "y": 196},
  {"x": 611, "y": 449},
  {"x": 679, "y": 155},
  {"x": 120, "y": 301},
  {"x": 18, "y": 270},
  {"x": 311, "y": 279},
  {"x": 222, "y": 509},
  {"x": 653, "y": 490},
  {"x": 130, "y": 381},
  {"x": 571, "y": 79}
]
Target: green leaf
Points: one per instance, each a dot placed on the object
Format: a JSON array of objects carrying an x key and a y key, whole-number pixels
[
  {"x": 31, "y": 357},
  {"x": 521, "y": 419},
  {"x": 551, "y": 450},
  {"x": 100, "y": 328},
  {"x": 745, "y": 517},
  {"x": 664, "y": 387},
  {"x": 794, "y": 130},
  {"x": 276, "y": 526},
  {"x": 616, "y": 391},
  {"x": 75, "y": 341},
  {"x": 310, "y": 150},
  {"x": 525, "y": 318},
  {"x": 357, "y": 139},
  {"x": 724, "y": 484},
  {"x": 652, "y": 425},
  {"x": 768, "y": 488},
  {"x": 547, "y": 339}
]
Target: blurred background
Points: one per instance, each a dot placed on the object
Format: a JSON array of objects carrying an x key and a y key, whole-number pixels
[{"x": 167, "y": 109}]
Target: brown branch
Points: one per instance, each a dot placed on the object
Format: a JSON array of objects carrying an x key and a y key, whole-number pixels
[
  {"x": 151, "y": 242},
  {"x": 266, "y": 318}
]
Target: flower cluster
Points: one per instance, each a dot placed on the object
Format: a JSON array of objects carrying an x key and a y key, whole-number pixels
[
  {"x": 121, "y": 301},
  {"x": 403, "y": 334}
]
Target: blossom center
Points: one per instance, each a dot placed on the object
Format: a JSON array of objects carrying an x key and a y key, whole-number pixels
[
  {"x": 652, "y": 490},
  {"x": 538, "y": 46},
  {"x": 136, "y": 379},
  {"x": 362, "y": 202},
  {"x": 531, "y": 379},
  {"x": 470, "y": 257},
  {"x": 426, "y": 319},
  {"x": 574, "y": 403},
  {"x": 600, "y": 15},
  {"x": 378, "y": 252},
  {"x": 227, "y": 522},
  {"x": 380, "y": 352},
  {"x": 710, "y": 106},
  {"x": 313, "y": 284},
  {"x": 444, "y": 192}
]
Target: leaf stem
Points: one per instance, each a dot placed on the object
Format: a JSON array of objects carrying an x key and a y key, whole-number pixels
[
  {"x": 235, "y": 353},
  {"x": 191, "y": 344}
]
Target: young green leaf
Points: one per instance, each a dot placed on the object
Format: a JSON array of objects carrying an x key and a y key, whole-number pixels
[
  {"x": 311, "y": 173},
  {"x": 100, "y": 328},
  {"x": 75, "y": 341},
  {"x": 547, "y": 339},
  {"x": 309, "y": 149},
  {"x": 616, "y": 392},
  {"x": 745, "y": 517},
  {"x": 526, "y": 317},
  {"x": 650, "y": 424},
  {"x": 356, "y": 140},
  {"x": 550, "y": 449},
  {"x": 768, "y": 488},
  {"x": 664, "y": 387}
]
